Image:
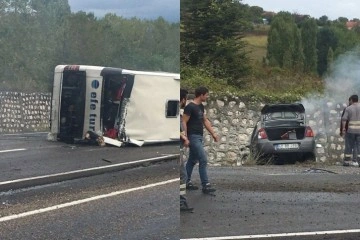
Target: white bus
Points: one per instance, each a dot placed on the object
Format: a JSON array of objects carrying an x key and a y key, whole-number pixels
[{"x": 128, "y": 106}]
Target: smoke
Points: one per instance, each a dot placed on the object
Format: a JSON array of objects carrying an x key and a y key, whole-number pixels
[
  {"x": 344, "y": 79},
  {"x": 341, "y": 81}
]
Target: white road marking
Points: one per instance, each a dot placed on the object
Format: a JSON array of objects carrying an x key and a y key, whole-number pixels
[
  {"x": 19, "y": 134},
  {"x": 281, "y": 174},
  {"x": 13, "y": 150},
  {"x": 77, "y": 202},
  {"x": 85, "y": 170},
  {"x": 277, "y": 235}
]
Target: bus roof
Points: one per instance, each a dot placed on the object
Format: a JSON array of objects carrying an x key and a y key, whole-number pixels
[{"x": 109, "y": 70}]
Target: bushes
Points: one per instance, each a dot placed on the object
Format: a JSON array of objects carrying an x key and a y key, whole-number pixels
[{"x": 265, "y": 84}]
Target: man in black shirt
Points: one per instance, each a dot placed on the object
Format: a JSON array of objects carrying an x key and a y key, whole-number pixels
[
  {"x": 183, "y": 142},
  {"x": 194, "y": 120}
]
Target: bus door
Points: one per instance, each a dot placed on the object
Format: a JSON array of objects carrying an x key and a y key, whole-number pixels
[
  {"x": 111, "y": 101},
  {"x": 72, "y": 105}
]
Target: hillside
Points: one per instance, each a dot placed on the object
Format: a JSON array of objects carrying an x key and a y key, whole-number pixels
[
  {"x": 256, "y": 46},
  {"x": 257, "y": 42}
]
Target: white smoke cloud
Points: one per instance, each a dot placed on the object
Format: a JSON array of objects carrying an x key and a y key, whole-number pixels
[{"x": 342, "y": 81}]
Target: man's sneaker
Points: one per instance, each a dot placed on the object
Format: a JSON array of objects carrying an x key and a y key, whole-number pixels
[
  {"x": 191, "y": 186},
  {"x": 346, "y": 163},
  {"x": 185, "y": 208},
  {"x": 208, "y": 189},
  {"x": 355, "y": 164}
]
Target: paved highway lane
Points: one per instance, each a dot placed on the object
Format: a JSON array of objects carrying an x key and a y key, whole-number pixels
[
  {"x": 276, "y": 202},
  {"x": 139, "y": 203},
  {"x": 29, "y": 155}
]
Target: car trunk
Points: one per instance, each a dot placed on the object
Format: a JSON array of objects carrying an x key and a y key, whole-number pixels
[
  {"x": 285, "y": 133},
  {"x": 284, "y": 121}
]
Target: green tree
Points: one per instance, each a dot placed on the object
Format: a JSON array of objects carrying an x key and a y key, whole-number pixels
[
  {"x": 211, "y": 37},
  {"x": 298, "y": 53},
  {"x": 256, "y": 14},
  {"x": 287, "y": 59},
  {"x": 141, "y": 45},
  {"x": 347, "y": 39},
  {"x": 300, "y": 18},
  {"x": 323, "y": 21},
  {"x": 326, "y": 39},
  {"x": 274, "y": 48},
  {"x": 342, "y": 20},
  {"x": 309, "y": 38},
  {"x": 330, "y": 59},
  {"x": 284, "y": 39},
  {"x": 37, "y": 35}
]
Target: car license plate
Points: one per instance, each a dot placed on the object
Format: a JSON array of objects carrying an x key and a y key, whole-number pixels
[{"x": 287, "y": 146}]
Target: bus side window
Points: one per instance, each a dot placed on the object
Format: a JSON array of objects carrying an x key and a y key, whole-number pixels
[{"x": 172, "y": 108}]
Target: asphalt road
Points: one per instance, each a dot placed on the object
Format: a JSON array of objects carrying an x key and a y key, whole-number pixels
[
  {"x": 276, "y": 202},
  {"x": 132, "y": 204},
  {"x": 141, "y": 201},
  {"x": 111, "y": 193},
  {"x": 25, "y": 156}
]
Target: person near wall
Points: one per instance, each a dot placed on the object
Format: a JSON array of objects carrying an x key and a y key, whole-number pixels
[
  {"x": 352, "y": 115},
  {"x": 194, "y": 120},
  {"x": 184, "y": 142},
  {"x": 346, "y": 140}
]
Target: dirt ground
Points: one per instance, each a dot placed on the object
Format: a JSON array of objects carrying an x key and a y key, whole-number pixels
[{"x": 306, "y": 177}]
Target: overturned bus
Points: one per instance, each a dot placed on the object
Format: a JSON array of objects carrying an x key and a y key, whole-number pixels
[{"x": 124, "y": 106}]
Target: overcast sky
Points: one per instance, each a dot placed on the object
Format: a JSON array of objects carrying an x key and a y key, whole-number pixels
[
  {"x": 143, "y": 9},
  {"x": 333, "y": 9}
]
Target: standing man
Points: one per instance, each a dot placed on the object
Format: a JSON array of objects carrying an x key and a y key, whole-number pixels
[
  {"x": 352, "y": 115},
  {"x": 346, "y": 140},
  {"x": 183, "y": 142},
  {"x": 194, "y": 120}
]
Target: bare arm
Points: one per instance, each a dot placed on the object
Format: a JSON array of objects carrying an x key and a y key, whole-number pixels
[
  {"x": 210, "y": 129},
  {"x": 184, "y": 138},
  {"x": 185, "y": 119}
]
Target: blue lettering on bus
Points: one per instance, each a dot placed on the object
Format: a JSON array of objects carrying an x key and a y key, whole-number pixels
[
  {"x": 93, "y": 104},
  {"x": 92, "y": 121}
]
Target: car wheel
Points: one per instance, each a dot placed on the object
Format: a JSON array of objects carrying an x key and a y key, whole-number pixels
[
  {"x": 278, "y": 160},
  {"x": 256, "y": 156},
  {"x": 264, "y": 159},
  {"x": 309, "y": 157}
]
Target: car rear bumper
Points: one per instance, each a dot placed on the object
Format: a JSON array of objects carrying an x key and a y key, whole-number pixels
[{"x": 306, "y": 145}]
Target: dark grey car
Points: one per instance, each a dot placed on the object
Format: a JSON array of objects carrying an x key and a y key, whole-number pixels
[{"x": 282, "y": 134}]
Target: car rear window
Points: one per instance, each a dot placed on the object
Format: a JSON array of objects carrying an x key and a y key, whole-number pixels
[{"x": 281, "y": 115}]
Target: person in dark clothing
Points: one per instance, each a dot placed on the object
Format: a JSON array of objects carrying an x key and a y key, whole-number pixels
[
  {"x": 183, "y": 142},
  {"x": 352, "y": 116},
  {"x": 348, "y": 150},
  {"x": 194, "y": 120}
]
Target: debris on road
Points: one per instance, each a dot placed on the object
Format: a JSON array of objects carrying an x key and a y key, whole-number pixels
[
  {"x": 318, "y": 170},
  {"x": 93, "y": 137},
  {"x": 111, "y": 141},
  {"x": 106, "y": 160}
]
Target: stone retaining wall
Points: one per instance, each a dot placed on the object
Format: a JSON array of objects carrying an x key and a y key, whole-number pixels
[
  {"x": 24, "y": 112},
  {"x": 233, "y": 119}
]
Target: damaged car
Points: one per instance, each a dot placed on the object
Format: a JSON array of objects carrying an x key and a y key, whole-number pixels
[{"x": 282, "y": 134}]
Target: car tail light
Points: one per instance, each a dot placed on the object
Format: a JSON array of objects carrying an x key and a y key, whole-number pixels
[
  {"x": 309, "y": 132},
  {"x": 262, "y": 134}
]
